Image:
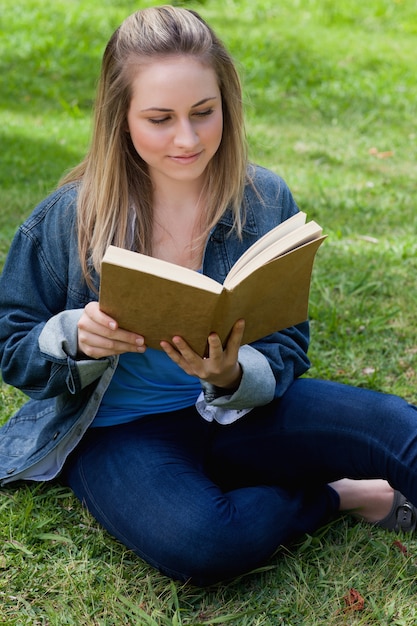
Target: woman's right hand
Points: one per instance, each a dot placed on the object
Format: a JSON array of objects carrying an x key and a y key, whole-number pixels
[{"x": 99, "y": 335}]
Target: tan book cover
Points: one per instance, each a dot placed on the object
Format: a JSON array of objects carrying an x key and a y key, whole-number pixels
[{"x": 268, "y": 286}]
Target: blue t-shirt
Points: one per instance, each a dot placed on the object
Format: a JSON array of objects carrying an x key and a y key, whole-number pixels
[{"x": 144, "y": 384}]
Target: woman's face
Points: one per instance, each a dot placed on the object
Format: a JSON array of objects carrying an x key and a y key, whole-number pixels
[{"x": 175, "y": 118}]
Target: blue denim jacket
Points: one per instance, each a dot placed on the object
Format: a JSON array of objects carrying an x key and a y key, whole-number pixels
[{"x": 42, "y": 296}]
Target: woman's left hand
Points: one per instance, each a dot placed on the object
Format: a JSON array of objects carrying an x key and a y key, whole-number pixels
[{"x": 221, "y": 368}]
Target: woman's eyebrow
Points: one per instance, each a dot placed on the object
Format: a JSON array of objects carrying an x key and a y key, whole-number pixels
[
  {"x": 193, "y": 106},
  {"x": 203, "y": 101}
]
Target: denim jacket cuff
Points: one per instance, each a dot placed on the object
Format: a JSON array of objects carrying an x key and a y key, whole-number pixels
[
  {"x": 58, "y": 342},
  {"x": 257, "y": 386}
]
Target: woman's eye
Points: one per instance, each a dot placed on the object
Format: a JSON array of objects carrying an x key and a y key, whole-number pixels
[
  {"x": 157, "y": 121},
  {"x": 204, "y": 113}
]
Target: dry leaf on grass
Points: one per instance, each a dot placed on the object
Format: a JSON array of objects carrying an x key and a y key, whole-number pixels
[
  {"x": 353, "y": 601},
  {"x": 401, "y": 547},
  {"x": 386, "y": 154}
]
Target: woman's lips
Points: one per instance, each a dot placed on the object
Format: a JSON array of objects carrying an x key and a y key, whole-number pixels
[{"x": 186, "y": 159}]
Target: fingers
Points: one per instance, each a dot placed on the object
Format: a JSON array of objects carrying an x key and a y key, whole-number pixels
[
  {"x": 184, "y": 356},
  {"x": 221, "y": 368},
  {"x": 99, "y": 335},
  {"x": 95, "y": 314},
  {"x": 233, "y": 343}
]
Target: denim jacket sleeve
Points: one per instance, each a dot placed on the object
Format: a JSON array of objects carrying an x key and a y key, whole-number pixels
[{"x": 41, "y": 297}]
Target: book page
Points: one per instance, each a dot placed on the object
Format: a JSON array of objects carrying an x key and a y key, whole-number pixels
[
  {"x": 303, "y": 234},
  {"x": 270, "y": 237}
]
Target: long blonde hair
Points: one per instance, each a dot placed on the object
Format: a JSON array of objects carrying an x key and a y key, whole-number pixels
[{"x": 114, "y": 178}]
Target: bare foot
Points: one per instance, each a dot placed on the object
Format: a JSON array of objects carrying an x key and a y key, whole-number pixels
[{"x": 370, "y": 500}]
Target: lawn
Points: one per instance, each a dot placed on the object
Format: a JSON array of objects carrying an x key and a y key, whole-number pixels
[{"x": 331, "y": 102}]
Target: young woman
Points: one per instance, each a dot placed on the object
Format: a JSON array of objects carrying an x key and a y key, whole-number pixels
[{"x": 203, "y": 467}]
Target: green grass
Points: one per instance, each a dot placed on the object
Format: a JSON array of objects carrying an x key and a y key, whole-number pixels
[{"x": 330, "y": 94}]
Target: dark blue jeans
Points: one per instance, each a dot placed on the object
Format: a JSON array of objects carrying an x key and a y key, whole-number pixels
[{"x": 206, "y": 502}]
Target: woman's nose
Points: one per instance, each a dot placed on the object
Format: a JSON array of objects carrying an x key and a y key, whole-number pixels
[{"x": 185, "y": 134}]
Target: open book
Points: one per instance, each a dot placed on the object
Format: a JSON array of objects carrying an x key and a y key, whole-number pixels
[{"x": 268, "y": 286}]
